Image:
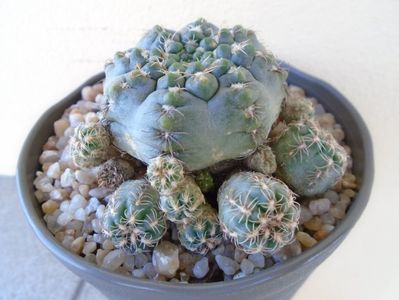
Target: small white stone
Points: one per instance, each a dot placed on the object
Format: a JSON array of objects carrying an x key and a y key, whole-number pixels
[
  {"x": 201, "y": 268},
  {"x": 165, "y": 259},
  {"x": 247, "y": 266},
  {"x": 58, "y": 194},
  {"x": 305, "y": 214},
  {"x": 140, "y": 260},
  {"x": 84, "y": 190},
  {"x": 49, "y": 156},
  {"x": 67, "y": 242},
  {"x": 113, "y": 260},
  {"x": 319, "y": 206},
  {"x": 332, "y": 196},
  {"x": 64, "y": 218},
  {"x": 67, "y": 178},
  {"x": 327, "y": 218},
  {"x": 88, "y": 93},
  {"x": 75, "y": 119},
  {"x": 227, "y": 265},
  {"x": 149, "y": 270},
  {"x": 85, "y": 177},
  {"x": 99, "y": 192},
  {"x": 100, "y": 254},
  {"x": 257, "y": 259},
  {"x": 89, "y": 247},
  {"x": 91, "y": 117},
  {"x": 77, "y": 201},
  {"x": 60, "y": 126},
  {"x": 80, "y": 214},
  {"x": 69, "y": 132},
  {"x": 92, "y": 206},
  {"x": 239, "y": 275},
  {"x": 96, "y": 224},
  {"x": 54, "y": 170},
  {"x": 129, "y": 262},
  {"x": 138, "y": 273},
  {"x": 101, "y": 100},
  {"x": 98, "y": 238},
  {"x": 107, "y": 245},
  {"x": 43, "y": 183},
  {"x": 100, "y": 211}
]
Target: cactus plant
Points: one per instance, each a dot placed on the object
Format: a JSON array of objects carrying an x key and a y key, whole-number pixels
[
  {"x": 90, "y": 145},
  {"x": 132, "y": 218},
  {"x": 257, "y": 212},
  {"x": 201, "y": 94},
  {"x": 263, "y": 160},
  {"x": 205, "y": 181},
  {"x": 180, "y": 203},
  {"x": 308, "y": 157},
  {"x": 202, "y": 233},
  {"x": 113, "y": 172}
]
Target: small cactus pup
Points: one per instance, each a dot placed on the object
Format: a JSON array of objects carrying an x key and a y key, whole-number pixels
[
  {"x": 296, "y": 108},
  {"x": 181, "y": 203},
  {"x": 204, "y": 179},
  {"x": 308, "y": 157},
  {"x": 257, "y": 212},
  {"x": 165, "y": 173},
  {"x": 263, "y": 160},
  {"x": 113, "y": 173},
  {"x": 90, "y": 145},
  {"x": 132, "y": 218},
  {"x": 201, "y": 94},
  {"x": 202, "y": 233}
]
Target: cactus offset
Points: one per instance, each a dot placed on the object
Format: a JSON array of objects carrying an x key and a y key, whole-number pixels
[
  {"x": 263, "y": 160},
  {"x": 202, "y": 233},
  {"x": 308, "y": 157},
  {"x": 257, "y": 212},
  {"x": 296, "y": 108},
  {"x": 205, "y": 181},
  {"x": 132, "y": 218},
  {"x": 113, "y": 173},
  {"x": 90, "y": 145},
  {"x": 201, "y": 94}
]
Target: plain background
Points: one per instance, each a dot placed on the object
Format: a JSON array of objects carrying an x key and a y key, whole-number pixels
[{"x": 47, "y": 48}]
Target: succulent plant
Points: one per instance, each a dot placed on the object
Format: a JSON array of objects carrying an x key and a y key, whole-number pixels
[
  {"x": 308, "y": 158},
  {"x": 180, "y": 203},
  {"x": 202, "y": 233},
  {"x": 257, "y": 212},
  {"x": 90, "y": 145},
  {"x": 165, "y": 173},
  {"x": 263, "y": 160},
  {"x": 204, "y": 179},
  {"x": 132, "y": 218},
  {"x": 113, "y": 173},
  {"x": 201, "y": 94},
  {"x": 296, "y": 108}
]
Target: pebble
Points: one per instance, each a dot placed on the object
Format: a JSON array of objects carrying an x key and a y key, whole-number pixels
[
  {"x": 305, "y": 214},
  {"x": 239, "y": 275},
  {"x": 313, "y": 224},
  {"x": 77, "y": 201},
  {"x": 229, "y": 250},
  {"x": 138, "y": 273},
  {"x": 67, "y": 241},
  {"x": 60, "y": 126},
  {"x": 64, "y": 219},
  {"x": 100, "y": 211},
  {"x": 98, "y": 238},
  {"x": 51, "y": 221},
  {"x": 40, "y": 196},
  {"x": 129, "y": 262},
  {"x": 339, "y": 210},
  {"x": 107, "y": 245},
  {"x": 84, "y": 190},
  {"x": 90, "y": 258},
  {"x": 89, "y": 247},
  {"x": 100, "y": 254},
  {"x": 59, "y": 236},
  {"x": 54, "y": 170},
  {"x": 186, "y": 262},
  {"x": 75, "y": 119},
  {"x": 149, "y": 270},
  {"x": 174, "y": 280},
  {"x": 227, "y": 265},
  {"x": 201, "y": 268},
  {"x": 113, "y": 260},
  {"x": 80, "y": 214},
  {"x": 305, "y": 239},
  {"x": 288, "y": 251},
  {"x": 92, "y": 205},
  {"x": 326, "y": 121},
  {"x": 247, "y": 266},
  {"x": 184, "y": 277},
  {"x": 338, "y": 134},
  {"x": 49, "y": 156},
  {"x": 239, "y": 255},
  {"x": 257, "y": 259},
  {"x": 77, "y": 245},
  {"x": 85, "y": 178},
  {"x": 349, "y": 192},
  {"x": 165, "y": 259},
  {"x": 332, "y": 196},
  {"x": 43, "y": 183},
  {"x": 99, "y": 192},
  {"x": 328, "y": 218},
  {"x": 58, "y": 194},
  {"x": 91, "y": 117},
  {"x": 319, "y": 206},
  {"x": 140, "y": 260},
  {"x": 96, "y": 224},
  {"x": 67, "y": 178},
  {"x": 218, "y": 250},
  {"x": 89, "y": 93},
  {"x": 49, "y": 206}
]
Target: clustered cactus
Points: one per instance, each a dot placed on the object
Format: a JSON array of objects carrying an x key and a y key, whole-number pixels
[{"x": 197, "y": 106}]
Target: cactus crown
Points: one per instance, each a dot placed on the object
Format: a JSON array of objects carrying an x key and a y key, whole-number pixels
[
  {"x": 132, "y": 218},
  {"x": 90, "y": 145},
  {"x": 202, "y": 233},
  {"x": 309, "y": 159},
  {"x": 257, "y": 212}
]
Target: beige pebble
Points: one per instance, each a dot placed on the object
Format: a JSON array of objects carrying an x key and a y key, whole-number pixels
[
  {"x": 45, "y": 166},
  {"x": 305, "y": 239},
  {"x": 349, "y": 192},
  {"x": 60, "y": 126},
  {"x": 313, "y": 224},
  {"x": 60, "y": 235},
  {"x": 321, "y": 234},
  {"x": 88, "y": 93},
  {"x": 349, "y": 181},
  {"x": 100, "y": 256},
  {"x": 77, "y": 245},
  {"x": 50, "y": 144},
  {"x": 338, "y": 134},
  {"x": 98, "y": 88},
  {"x": 84, "y": 190},
  {"x": 107, "y": 245},
  {"x": 89, "y": 247},
  {"x": 49, "y": 206}
]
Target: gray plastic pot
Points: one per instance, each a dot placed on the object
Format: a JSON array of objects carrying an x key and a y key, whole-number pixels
[{"x": 278, "y": 282}]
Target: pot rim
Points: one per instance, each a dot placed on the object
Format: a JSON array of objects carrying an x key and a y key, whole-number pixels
[{"x": 28, "y": 201}]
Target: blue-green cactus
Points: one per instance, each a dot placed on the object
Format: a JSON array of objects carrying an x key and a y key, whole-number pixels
[
  {"x": 257, "y": 212},
  {"x": 132, "y": 218},
  {"x": 308, "y": 158},
  {"x": 201, "y": 94}
]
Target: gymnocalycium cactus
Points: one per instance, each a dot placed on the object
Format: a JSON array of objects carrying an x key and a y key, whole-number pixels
[
  {"x": 132, "y": 218},
  {"x": 90, "y": 145},
  {"x": 257, "y": 212},
  {"x": 309, "y": 158},
  {"x": 201, "y": 94},
  {"x": 202, "y": 233}
]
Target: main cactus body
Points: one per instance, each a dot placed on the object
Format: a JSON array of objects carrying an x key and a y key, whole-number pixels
[
  {"x": 257, "y": 212},
  {"x": 308, "y": 157},
  {"x": 202, "y": 94},
  {"x": 132, "y": 218}
]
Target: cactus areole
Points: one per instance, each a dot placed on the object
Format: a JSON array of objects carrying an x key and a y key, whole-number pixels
[{"x": 201, "y": 94}]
